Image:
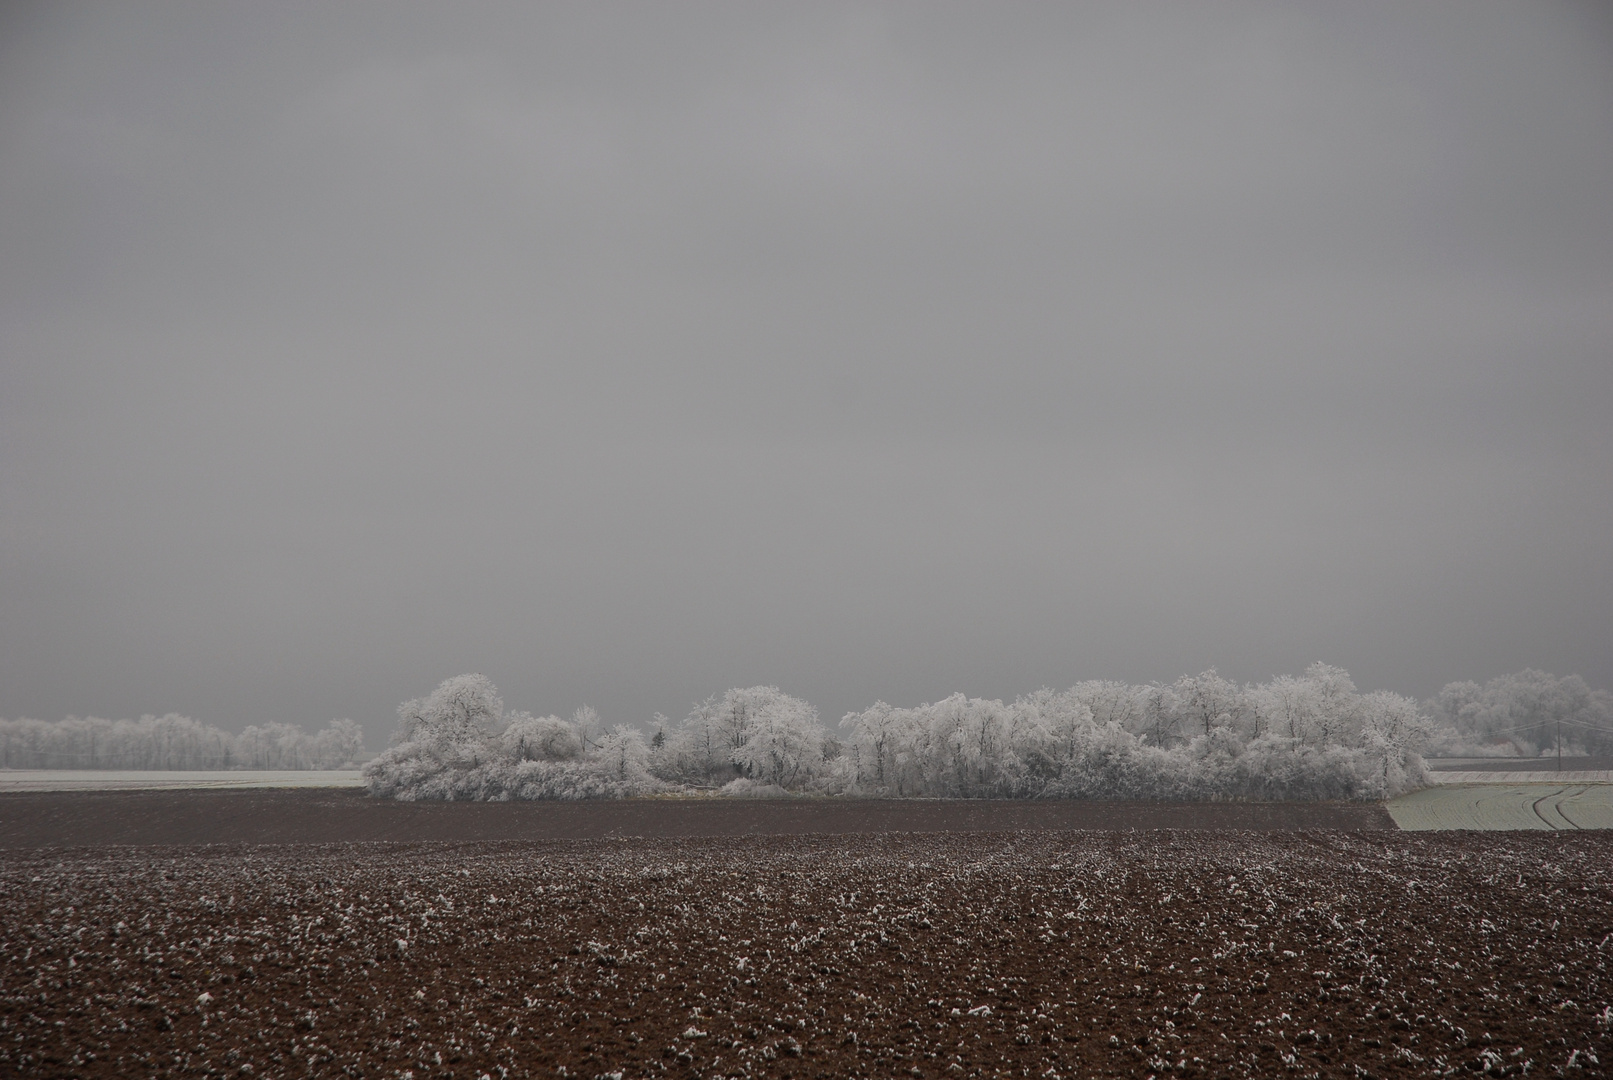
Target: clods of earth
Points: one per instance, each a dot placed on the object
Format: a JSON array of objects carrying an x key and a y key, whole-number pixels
[{"x": 1052, "y": 954}]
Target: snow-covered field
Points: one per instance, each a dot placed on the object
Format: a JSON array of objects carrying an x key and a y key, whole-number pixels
[
  {"x": 1498, "y": 806},
  {"x": 1520, "y": 776},
  {"x": 158, "y": 780}
]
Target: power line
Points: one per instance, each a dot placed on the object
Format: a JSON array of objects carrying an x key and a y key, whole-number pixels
[{"x": 1544, "y": 724}]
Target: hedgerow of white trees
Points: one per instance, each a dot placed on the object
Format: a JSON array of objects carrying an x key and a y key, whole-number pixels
[
  {"x": 1201, "y": 737},
  {"x": 1312, "y": 736},
  {"x": 174, "y": 742}
]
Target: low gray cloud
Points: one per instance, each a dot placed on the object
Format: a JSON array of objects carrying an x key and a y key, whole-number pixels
[{"x": 631, "y": 352}]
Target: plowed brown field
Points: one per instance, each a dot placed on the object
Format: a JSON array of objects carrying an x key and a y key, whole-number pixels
[
  {"x": 1045, "y": 954},
  {"x": 39, "y": 819}
]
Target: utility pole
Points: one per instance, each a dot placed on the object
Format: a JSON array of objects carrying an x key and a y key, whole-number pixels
[{"x": 1559, "y": 744}]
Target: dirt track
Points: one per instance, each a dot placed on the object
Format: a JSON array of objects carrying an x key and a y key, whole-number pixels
[{"x": 73, "y": 819}]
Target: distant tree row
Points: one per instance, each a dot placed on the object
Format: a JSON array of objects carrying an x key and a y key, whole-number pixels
[
  {"x": 174, "y": 742},
  {"x": 1313, "y": 736},
  {"x": 1524, "y": 714}
]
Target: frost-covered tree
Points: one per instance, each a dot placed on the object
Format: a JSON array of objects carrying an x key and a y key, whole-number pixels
[
  {"x": 456, "y": 718},
  {"x": 1333, "y": 702},
  {"x": 972, "y": 731},
  {"x": 624, "y": 754},
  {"x": 1162, "y": 715},
  {"x": 589, "y": 727},
  {"x": 1111, "y": 702},
  {"x": 782, "y": 742},
  {"x": 1208, "y": 700},
  {"x": 699, "y": 750},
  {"x": 872, "y": 738},
  {"x": 1283, "y": 703},
  {"x": 1393, "y": 730},
  {"x": 757, "y": 733},
  {"x": 540, "y": 738}
]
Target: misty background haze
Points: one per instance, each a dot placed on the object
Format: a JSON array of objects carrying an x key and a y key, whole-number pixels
[{"x": 626, "y": 353}]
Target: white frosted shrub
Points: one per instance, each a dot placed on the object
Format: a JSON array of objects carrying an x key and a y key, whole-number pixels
[
  {"x": 457, "y": 743},
  {"x": 744, "y": 788}
]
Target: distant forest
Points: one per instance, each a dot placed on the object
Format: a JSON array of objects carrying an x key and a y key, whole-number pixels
[
  {"x": 174, "y": 742},
  {"x": 1312, "y": 736}
]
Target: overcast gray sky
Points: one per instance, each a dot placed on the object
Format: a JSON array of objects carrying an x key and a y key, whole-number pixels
[{"x": 626, "y": 353}]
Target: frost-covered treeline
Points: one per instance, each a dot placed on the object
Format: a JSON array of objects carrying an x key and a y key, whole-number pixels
[
  {"x": 459, "y": 743},
  {"x": 173, "y": 742},
  {"x": 1523, "y": 714},
  {"x": 1202, "y": 737}
]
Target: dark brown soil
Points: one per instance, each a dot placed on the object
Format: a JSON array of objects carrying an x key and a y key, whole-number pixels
[
  {"x": 1193, "y": 954},
  {"x": 78, "y": 818}
]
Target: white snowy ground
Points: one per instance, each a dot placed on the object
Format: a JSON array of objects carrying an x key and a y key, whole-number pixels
[
  {"x": 1530, "y": 776},
  {"x": 1501, "y": 805},
  {"x": 154, "y": 780}
]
